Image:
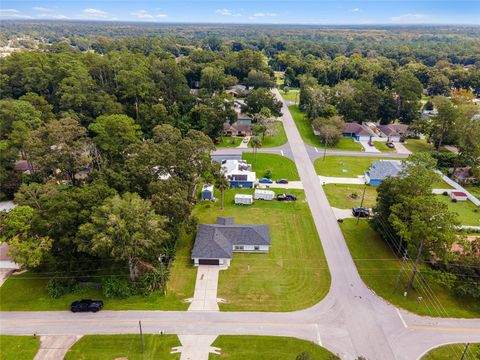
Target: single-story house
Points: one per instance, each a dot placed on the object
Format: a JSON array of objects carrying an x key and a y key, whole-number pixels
[
  {"x": 393, "y": 132},
  {"x": 239, "y": 174},
  {"x": 380, "y": 170},
  {"x": 23, "y": 166},
  {"x": 207, "y": 192},
  {"x": 463, "y": 175},
  {"x": 215, "y": 243},
  {"x": 358, "y": 132},
  {"x": 458, "y": 196},
  {"x": 241, "y": 127}
]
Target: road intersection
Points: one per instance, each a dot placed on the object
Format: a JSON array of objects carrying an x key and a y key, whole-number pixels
[{"x": 350, "y": 321}]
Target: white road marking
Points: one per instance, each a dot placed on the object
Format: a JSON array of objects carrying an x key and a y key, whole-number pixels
[
  {"x": 281, "y": 152},
  {"x": 319, "y": 341},
  {"x": 401, "y": 318}
]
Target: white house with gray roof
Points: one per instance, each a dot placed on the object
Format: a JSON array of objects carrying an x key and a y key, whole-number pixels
[{"x": 215, "y": 243}]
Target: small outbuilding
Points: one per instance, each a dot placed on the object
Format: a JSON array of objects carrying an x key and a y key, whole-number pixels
[
  {"x": 263, "y": 194},
  {"x": 458, "y": 196},
  {"x": 207, "y": 192},
  {"x": 243, "y": 199}
]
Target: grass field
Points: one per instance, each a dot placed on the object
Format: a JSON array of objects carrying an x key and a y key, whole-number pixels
[
  {"x": 468, "y": 213},
  {"x": 338, "y": 195},
  {"x": 18, "y": 347},
  {"x": 229, "y": 141},
  {"x": 333, "y": 165},
  {"x": 379, "y": 268},
  {"x": 306, "y": 131},
  {"x": 267, "y": 348},
  {"x": 280, "y": 166},
  {"x": 418, "y": 145},
  {"x": 108, "y": 347},
  {"x": 293, "y": 275},
  {"x": 292, "y": 95},
  {"x": 27, "y": 291},
  {"x": 474, "y": 190},
  {"x": 380, "y": 145},
  {"x": 279, "y": 139},
  {"x": 454, "y": 351}
]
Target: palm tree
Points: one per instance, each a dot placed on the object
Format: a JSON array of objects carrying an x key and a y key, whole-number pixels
[
  {"x": 222, "y": 184},
  {"x": 256, "y": 143}
]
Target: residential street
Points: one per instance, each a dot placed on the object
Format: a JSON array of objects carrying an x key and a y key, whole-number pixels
[{"x": 351, "y": 321}]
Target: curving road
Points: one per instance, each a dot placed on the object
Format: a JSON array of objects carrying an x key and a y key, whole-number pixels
[{"x": 351, "y": 320}]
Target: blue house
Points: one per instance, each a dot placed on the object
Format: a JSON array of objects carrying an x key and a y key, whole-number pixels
[
  {"x": 380, "y": 170},
  {"x": 239, "y": 174}
]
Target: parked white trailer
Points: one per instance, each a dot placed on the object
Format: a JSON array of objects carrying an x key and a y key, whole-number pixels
[
  {"x": 243, "y": 199},
  {"x": 263, "y": 195}
]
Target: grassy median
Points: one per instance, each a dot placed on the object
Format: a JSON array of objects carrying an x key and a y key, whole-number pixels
[
  {"x": 280, "y": 166},
  {"x": 18, "y": 347}
]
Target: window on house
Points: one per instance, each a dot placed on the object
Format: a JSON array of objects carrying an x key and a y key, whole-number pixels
[
  {"x": 256, "y": 248},
  {"x": 238, "y": 247}
]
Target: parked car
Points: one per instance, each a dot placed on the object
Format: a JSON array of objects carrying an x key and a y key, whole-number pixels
[
  {"x": 246, "y": 139},
  {"x": 286, "y": 197},
  {"x": 265, "y": 181},
  {"x": 86, "y": 306},
  {"x": 360, "y": 212},
  {"x": 282, "y": 181},
  {"x": 390, "y": 145}
]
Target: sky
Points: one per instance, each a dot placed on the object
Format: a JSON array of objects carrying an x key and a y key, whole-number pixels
[{"x": 363, "y": 12}]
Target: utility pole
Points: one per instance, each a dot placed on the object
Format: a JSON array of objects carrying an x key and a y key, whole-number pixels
[
  {"x": 325, "y": 149},
  {"x": 465, "y": 351},
  {"x": 141, "y": 336},
  {"x": 363, "y": 198}
]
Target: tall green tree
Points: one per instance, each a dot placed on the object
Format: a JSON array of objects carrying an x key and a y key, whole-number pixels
[{"x": 126, "y": 229}]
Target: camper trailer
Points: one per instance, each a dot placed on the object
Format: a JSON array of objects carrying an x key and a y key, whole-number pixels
[
  {"x": 263, "y": 195},
  {"x": 243, "y": 199}
]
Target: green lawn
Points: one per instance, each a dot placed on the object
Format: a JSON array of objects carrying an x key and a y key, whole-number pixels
[
  {"x": 26, "y": 292},
  {"x": 229, "y": 141},
  {"x": 453, "y": 351},
  {"x": 267, "y": 348},
  {"x": 418, "y": 145},
  {"x": 292, "y": 95},
  {"x": 108, "y": 347},
  {"x": 292, "y": 276},
  {"x": 379, "y": 268},
  {"x": 18, "y": 347},
  {"x": 380, "y": 145},
  {"x": 334, "y": 165},
  {"x": 474, "y": 190},
  {"x": 281, "y": 166},
  {"x": 339, "y": 195},
  {"x": 468, "y": 212},
  {"x": 306, "y": 131},
  {"x": 279, "y": 138}
]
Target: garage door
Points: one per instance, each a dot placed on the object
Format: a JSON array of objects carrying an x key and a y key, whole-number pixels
[{"x": 208, "y": 261}]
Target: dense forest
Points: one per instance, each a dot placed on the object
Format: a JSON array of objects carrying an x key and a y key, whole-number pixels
[{"x": 116, "y": 121}]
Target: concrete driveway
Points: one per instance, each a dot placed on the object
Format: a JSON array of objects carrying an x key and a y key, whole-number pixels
[
  {"x": 54, "y": 347},
  {"x": 369, "y": 148},
  {"x": 290, "y": 185},
  {"x": 206, "y": 285},
  {"x": 244, "y": 144},
  {"x": 401, "y": 149}
]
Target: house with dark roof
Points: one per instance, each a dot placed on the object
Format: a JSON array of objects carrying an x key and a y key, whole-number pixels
[
  {"x": 359, "y": 132},
  {"x": 393, "y": 132},
  {"x": 215, "y": 243},
  {"x": 380, "y": 170}
]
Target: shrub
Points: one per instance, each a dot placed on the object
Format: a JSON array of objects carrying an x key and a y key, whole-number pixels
[
  {"x": 117, "y": 287},
  {"x": 454, "y": 200},
  {"x": 57, "y": 287},
  {"x": 445, "y": 193},
  {"x": 268, "y": 173}
]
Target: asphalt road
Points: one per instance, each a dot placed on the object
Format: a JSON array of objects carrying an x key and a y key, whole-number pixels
[{"x": 351, "y": 320}]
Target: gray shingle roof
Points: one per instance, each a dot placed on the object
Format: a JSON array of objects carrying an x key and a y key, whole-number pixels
[
  {"x": 215, "y": 241},
  {"x": 383, "y": 169}
]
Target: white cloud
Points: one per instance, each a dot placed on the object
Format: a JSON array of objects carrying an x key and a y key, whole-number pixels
[
  {"x": 145, "y": 15},
  {"x": 227, "y": 12},
  {"x": 53, "y": 16},
  {"x": 355, "y": 10},
  {"x": 95, "y": 13},
  {"x": 41, "y": 8},
  {"x": 409, "y": 18},
  {"x": 13, "y": 14},
  {"x": 261, "y": 14}
]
